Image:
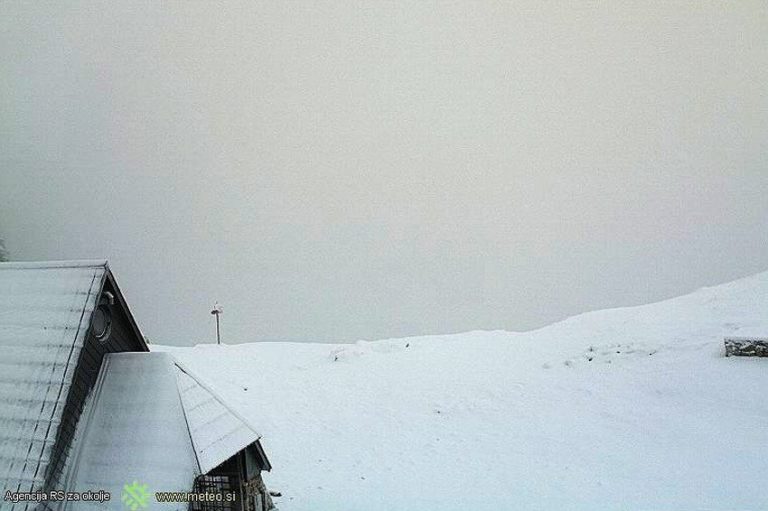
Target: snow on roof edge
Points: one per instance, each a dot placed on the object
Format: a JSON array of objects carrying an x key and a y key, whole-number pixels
[{"x": 28, "y": 265}]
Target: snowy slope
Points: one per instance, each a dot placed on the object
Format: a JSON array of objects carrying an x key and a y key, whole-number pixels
[{"x": 623, "y": 409}]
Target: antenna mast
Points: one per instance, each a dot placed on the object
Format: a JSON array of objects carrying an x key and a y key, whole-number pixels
[{"x": 217, "y": 311}]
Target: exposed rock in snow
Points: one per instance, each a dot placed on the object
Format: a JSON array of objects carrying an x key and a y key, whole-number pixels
[{"x": 746, "y": 347}]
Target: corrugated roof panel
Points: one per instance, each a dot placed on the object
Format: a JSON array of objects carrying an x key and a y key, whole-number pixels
[
  {"x": 217, "y": 433},
  {"x": 44, "y": 315}
]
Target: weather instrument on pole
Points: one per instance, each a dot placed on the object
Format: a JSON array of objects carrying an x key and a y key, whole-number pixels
[{"x": 217, "y": 311}]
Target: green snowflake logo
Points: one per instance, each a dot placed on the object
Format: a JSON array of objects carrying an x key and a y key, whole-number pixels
[{"x": 136, "y": 496}]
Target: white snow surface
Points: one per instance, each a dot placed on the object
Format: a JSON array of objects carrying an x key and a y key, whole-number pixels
[{"x": 658, "y": 419}]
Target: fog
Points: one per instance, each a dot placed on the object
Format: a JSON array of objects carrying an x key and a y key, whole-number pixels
[{"x": 333, "y": 171}]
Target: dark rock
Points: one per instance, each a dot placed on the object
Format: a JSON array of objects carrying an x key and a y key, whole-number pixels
[{"x": 746, "y": 347}]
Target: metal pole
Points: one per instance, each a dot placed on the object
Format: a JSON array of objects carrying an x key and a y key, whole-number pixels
[{"x": 217, "y": 311}]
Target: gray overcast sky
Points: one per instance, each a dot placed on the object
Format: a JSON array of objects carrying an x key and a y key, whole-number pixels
[{"x": 337, "y": 171}]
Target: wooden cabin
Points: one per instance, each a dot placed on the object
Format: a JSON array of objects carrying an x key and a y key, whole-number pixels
[{"x": 80, "y": 393}]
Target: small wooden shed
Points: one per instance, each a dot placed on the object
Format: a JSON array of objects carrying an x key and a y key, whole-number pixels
[{"x": 153, "y": 422}]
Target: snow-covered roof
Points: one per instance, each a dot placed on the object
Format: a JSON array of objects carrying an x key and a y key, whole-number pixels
[
  {"x": 133, "y": 430},
  {"x": 217, "y": 432},
  {"x": 152, "y": 422},
  {"x": 45, "y": 312}
]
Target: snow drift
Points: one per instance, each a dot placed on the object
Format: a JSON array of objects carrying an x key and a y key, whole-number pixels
[{"x": 625, "y": 409}]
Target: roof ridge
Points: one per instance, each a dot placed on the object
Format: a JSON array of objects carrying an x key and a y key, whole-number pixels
[{"x": 76, "y": 263}]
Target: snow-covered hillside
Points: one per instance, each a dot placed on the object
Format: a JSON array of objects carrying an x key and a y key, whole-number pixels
[{"x": 623, "y": 409}]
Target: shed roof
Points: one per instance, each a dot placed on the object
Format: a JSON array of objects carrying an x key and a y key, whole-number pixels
[
  {"x": 151, "y": 421},
  {"x": 44, "y": 315},
  {"x": 133, "y": 430},
  {"x": 217, "y": 432}
]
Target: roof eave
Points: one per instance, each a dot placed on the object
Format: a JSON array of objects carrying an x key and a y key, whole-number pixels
[{"x": 262, "y": 455}]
